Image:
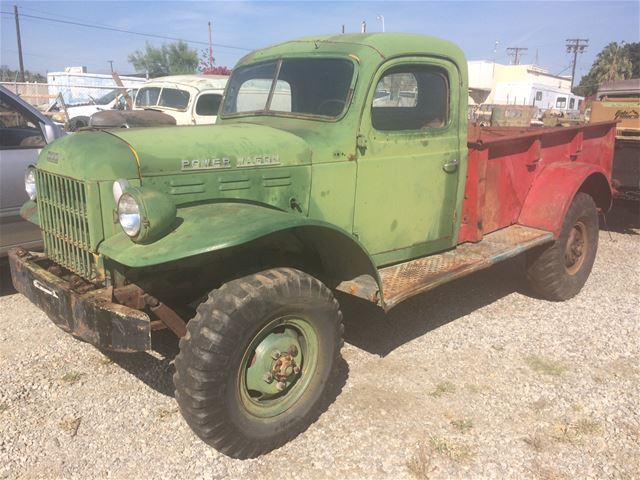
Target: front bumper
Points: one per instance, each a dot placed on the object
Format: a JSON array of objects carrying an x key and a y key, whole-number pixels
[{"x": 91, "y": 316}]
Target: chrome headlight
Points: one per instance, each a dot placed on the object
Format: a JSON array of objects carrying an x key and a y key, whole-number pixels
[
  {"x": 129, "y": 214},
  {"x": 30, "y": 183},
  {"x": 145, "y": 214}
]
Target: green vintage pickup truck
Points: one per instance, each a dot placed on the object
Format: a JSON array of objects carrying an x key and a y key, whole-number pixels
[{"x": 338, "y": 163}]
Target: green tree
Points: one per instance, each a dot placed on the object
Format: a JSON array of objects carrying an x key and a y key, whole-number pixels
[
  {"x": 633, "y": 49},
  {"x": 169, "y": 59},
  {"x": 614, "y": 62}
]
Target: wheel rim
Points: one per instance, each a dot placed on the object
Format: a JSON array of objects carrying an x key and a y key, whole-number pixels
[
  {"x": 576, "y": 248},
  {"x": 277, "y": 366}
]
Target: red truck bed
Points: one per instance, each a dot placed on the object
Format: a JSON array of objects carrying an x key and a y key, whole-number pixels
[
  {"x": 519, "y": 184},
  {"x": 505, "y": 162}
]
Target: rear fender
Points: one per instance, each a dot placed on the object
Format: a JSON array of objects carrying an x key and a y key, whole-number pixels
[
  {"x": 219, "y": 228},
  {"x": 554, "y": 189}
]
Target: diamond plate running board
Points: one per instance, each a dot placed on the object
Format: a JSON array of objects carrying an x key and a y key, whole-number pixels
[{"x": 405, "y": 280}]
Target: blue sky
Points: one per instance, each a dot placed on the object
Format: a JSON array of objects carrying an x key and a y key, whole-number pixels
[{"x": 542, "y": 27}]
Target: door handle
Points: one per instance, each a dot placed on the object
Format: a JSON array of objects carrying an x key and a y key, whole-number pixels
[{"x": 451, "y": 166}]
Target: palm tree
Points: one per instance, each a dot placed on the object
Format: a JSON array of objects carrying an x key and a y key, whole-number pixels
[{"x": 612, "y": 63}]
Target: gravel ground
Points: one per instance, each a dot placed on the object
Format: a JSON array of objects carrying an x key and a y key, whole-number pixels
[{"x": 477, "y": 379}]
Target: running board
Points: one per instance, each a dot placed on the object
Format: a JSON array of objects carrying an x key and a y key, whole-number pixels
[{"x": 405, "y": 280}]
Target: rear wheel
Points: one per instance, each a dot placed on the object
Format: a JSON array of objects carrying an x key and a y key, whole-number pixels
[
  {"x": 253, "y": 368},
  {"x": 560, "y": 270}
]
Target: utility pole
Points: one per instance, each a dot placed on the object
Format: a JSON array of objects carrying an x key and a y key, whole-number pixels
[
  {"x": 363, "y": 27},
  {"x": 15, "y": 11},
  {"x": 210, "y": 48},
  {"x": 576, "y": 46},
  {"x": 110, "y": 64},
  {"x": 515, "y": 53},
  {"x": 381, "y": 18},
  {"x": 343, "y": 28}
]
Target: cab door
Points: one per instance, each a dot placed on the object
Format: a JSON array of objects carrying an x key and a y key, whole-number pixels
[
  {"x": 409, "y": 159},
  {"x": 206, "y": 106}
]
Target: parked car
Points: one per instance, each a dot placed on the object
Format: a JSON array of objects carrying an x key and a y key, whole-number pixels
[
  {"x": 190, "y": 99},
  {"x": 23, "y": 132}
]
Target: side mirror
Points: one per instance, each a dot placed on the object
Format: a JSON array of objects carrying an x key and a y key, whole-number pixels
[{"x": 49, "y": 132}]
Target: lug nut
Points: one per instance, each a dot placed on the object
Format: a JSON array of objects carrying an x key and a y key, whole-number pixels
[
  {"x": 268, "y": 378},
  {"x": 281, "y": 386},
  {"x": 275, "y": 354},
  {"x": 293, "y": 350}
]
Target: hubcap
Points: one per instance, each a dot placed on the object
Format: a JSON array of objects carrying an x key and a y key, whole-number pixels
[
  {"x": 576, "y": 248},
  {"x": 277, "y": 366}
]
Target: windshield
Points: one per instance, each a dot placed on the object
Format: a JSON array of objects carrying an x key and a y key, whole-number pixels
[
  {"x": 107, "y": 98},
  {"x": 308, "y": 86},
  {"x": 162, "y": 97}
]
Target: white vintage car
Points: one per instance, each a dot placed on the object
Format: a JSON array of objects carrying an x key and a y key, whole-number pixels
[{"x": 190, "y": 99}]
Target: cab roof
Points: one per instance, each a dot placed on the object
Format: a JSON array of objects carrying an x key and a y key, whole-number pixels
[
  {"x": 201, "y": 82},
  {"x": 369, "y": 46}
]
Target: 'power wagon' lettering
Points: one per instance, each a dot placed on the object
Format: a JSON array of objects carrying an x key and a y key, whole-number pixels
[{"x": 205, "y": 164}]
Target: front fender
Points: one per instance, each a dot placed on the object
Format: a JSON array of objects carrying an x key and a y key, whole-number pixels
[
  {"x": 553, "y": 190},
  {"x": 206, "y": 228}
]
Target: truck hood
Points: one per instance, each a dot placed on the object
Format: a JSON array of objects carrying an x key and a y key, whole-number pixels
[
  {"x": 146, "y": 152},
  {"x": 183, "y": 149}
]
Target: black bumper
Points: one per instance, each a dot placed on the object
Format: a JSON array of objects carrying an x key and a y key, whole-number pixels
[{"x": 91, "y": 316}]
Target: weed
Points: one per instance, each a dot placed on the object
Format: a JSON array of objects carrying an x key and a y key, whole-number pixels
[
  {"x": 546, "y": 366},
  {"x": 166, "y": 412},
  {"x": 462, "y": 425},
  {"x": 572, "y": 432},
  {"x": 443, "y": 388},
  {"x": 72, "y": 377},
  {"x": 3, "y": 407},
  {"x": 420, "y": 464},
  {"x": 451, "y": 450}
]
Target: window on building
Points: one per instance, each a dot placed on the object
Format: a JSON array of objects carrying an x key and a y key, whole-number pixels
[
  {"x": 572, "y": 103},
  {"x": 411, "y": 97},
  {"x": 579, "y": 104},
  {"x": 561, "y": 102},
  {"x": 538, "y": 95}
]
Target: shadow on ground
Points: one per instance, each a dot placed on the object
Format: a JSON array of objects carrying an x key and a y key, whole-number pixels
[
  {"x": 623, "y": 218},
  {"x": 369, "y": 328},
  {"x": 6, "y": 287}
]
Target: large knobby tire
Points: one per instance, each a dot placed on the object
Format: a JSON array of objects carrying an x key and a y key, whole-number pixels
[
  {"x": 559, "y": 271},
  {"x": 253, "y": 367}
]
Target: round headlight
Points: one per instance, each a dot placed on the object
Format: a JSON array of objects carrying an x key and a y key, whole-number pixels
[
  {"x": 129, "y": 214},
  {"x": 119, "y": 186},
  {"x": 30, "y": 183}
]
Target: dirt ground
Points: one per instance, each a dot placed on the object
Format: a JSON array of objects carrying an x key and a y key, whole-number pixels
[{"x": 477, "y": 379}]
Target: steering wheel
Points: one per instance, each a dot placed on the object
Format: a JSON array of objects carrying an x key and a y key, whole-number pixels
[{"x": 331, "y": 101}]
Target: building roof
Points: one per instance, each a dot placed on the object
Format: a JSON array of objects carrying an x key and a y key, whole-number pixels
[{"x": 620, "y": 87}]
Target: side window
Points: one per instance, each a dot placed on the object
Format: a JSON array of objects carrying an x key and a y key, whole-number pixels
[
  {"x": 411, "y": 97},
  {"x": 579, "y": 104},
  {"x": 208, "y": 104},
  {"x": 561, "y": 102},
  {"x": 16, "y": 130},
  {"x": 572, "y": 103}
]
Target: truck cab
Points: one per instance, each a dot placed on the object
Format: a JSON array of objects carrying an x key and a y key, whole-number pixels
[{"x": 337, "y": 163}]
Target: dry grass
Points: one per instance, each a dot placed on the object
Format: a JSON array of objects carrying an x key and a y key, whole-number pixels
[
  {"x": 164, "y": 413},
  {"x": 72, "y": 377},
  {"x": 443, "y": 388},
  {"x": 463, "y": 425},
  {"x": 456, "y": 452},
  {"x": 3, "y": 407},
  {"x": 546, "y": 366},
  {"x": 574, "y": 432},
  {"x": 536, "y": 441},
  {"x": 420, "y": 465}
]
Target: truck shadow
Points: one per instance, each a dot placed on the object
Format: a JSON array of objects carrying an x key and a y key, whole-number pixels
[
  {"x": 6, "y": 287},
  {"x": 369, "y": 328},
  {"x": 624, "y": 218},
  {"x": 156, "y": 369}
]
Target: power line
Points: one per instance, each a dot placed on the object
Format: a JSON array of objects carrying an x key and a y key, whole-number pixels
[
  {"x": 576, "y": 46},
  {"x": 122, "y": 30},
  {"x": 515, "y": 53}
]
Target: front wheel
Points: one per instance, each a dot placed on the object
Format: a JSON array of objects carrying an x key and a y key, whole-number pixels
[
  {"x": 253, "y": 368},
  {"x": 559, "y": 271}
]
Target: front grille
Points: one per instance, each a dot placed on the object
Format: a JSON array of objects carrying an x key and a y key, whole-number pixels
[{"x": 62, "y": 209}]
